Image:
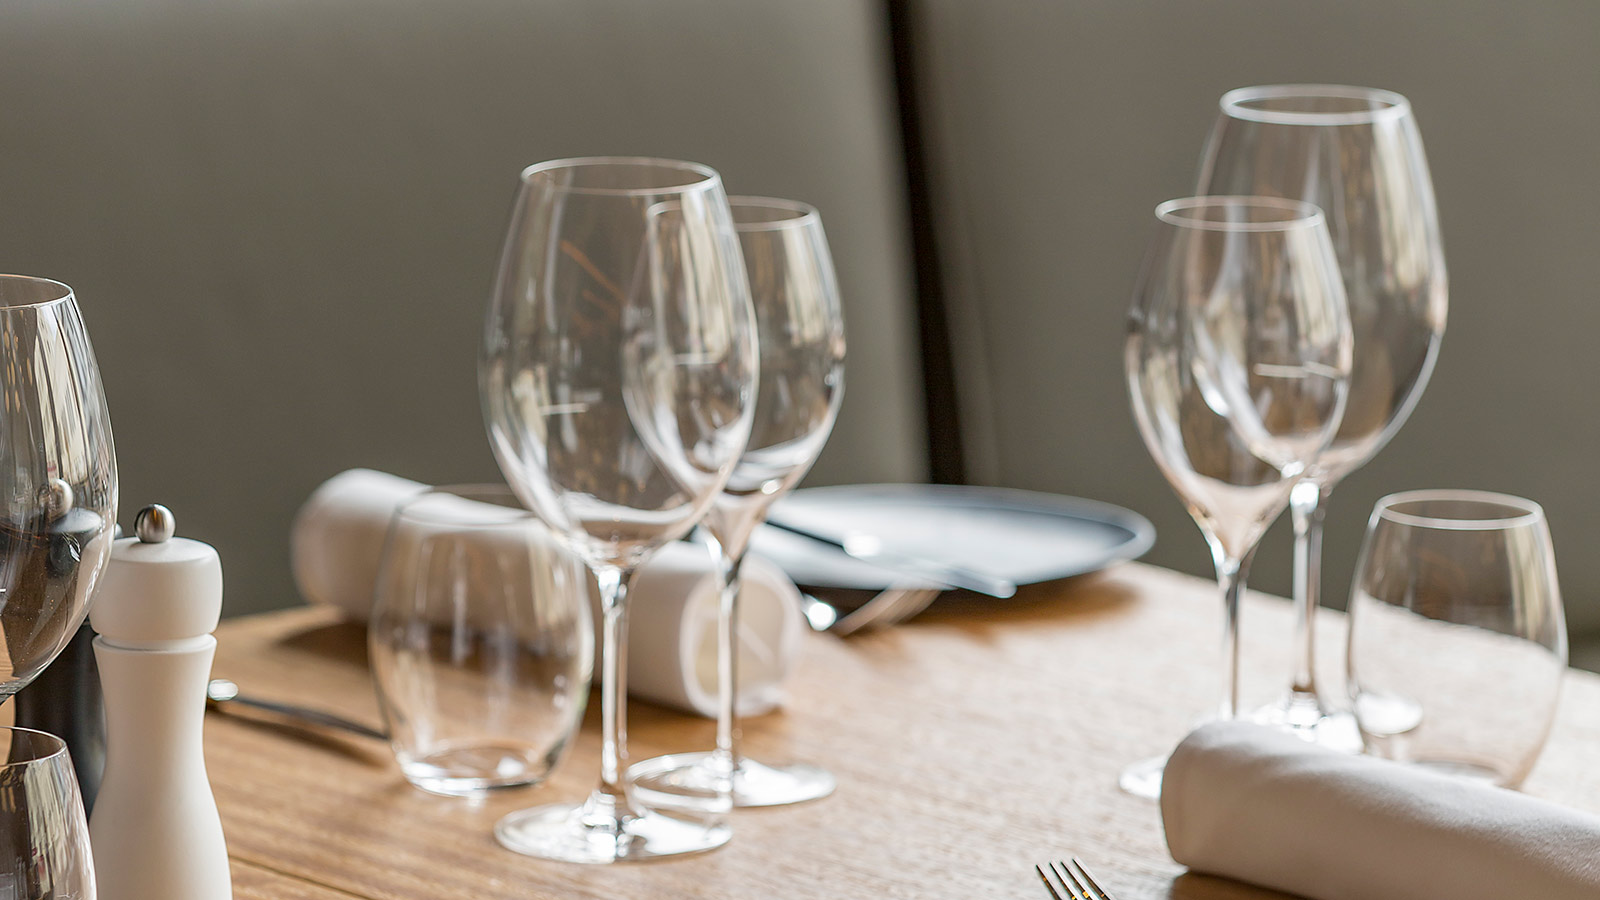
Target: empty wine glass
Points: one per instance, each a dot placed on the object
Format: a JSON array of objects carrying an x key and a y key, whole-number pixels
[
  {"x": 44, "y": 838},
  {"x": 1458, "y": 642},
  {"x": 618, "y": 380},
  {"x": 1238, "y": 359},
  {"x": 58, "y": 476},
  {"x": 801, "y": 332},
  {"x": 480, "y": 640},
  {"x": 1357, "y": 153}
]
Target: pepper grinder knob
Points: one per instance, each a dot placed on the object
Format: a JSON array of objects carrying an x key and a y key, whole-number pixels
[{"x": 155, "y": 524}]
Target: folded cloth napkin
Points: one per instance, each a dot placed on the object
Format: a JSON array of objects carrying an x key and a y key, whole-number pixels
[
  {"x": 1259, "y": 805},
  {"x": 337, "y": 539}
]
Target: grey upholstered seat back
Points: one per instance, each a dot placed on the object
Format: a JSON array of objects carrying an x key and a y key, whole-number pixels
[
  {"x": 282, "y": 216},
  {"x": 1058, "y": 126}
]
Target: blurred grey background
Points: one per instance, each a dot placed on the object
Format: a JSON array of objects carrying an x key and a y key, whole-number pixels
[{"x": 282, "y": 216}]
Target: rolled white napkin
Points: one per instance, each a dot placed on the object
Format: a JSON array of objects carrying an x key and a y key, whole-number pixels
[
  {"x": 337, "y": 539},
  {"x": 1259, "y": 805}
]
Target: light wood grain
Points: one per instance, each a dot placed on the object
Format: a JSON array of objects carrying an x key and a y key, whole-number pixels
[{"x": 969, "y": 744}]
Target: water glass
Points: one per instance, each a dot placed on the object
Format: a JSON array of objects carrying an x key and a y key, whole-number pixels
[
  {"x": 481, "y": 642},
  {"x": 44, "y": 838},
  {"x": 1457, "y": 640}
]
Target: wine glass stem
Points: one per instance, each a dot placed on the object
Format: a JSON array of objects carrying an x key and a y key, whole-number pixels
[
  {"x": 728, "y": 733},
  {"x": 1231, "y": 573},
  {"x": 1307, "y": 507},
  {"x": 613, "y": 582}
]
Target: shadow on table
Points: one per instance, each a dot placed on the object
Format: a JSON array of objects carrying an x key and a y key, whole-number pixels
[
  {"x": 1085, "y": 597},
  {"x": 342, "y": 641},
  {"x": 1190, "y": 886}
]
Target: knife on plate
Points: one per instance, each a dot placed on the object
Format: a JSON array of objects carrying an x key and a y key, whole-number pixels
[{"x": 870, "y": 550}]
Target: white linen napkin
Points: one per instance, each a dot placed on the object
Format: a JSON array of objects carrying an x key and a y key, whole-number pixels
[
  {"x": 1259, "y": 805},
  {"x": 337, "y": 539}
]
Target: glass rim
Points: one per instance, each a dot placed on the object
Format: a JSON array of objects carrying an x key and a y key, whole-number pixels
[
  {"x": 477, "y": 492},
  {"x": 57, "y": 746},
  {"x": 1306, "y": 215},
  {"x": 705, "y": 176},
  {"x": 1393, "y": 105},
  {"x": 1520, "y": 510},
  {"x": 65, "y": 291},
  {"x": 802, "y": 214}
]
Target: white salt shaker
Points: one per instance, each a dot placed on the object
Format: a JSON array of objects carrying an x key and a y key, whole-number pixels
[{"x": 155, "y": 830}]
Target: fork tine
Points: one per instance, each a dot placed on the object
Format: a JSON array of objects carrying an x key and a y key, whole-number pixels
[
  {"x": 1047, "y": 885},
  {"x": 1084, "y": 871},
  {"x": 1076, "y": 884},
  {"x": 1063, "y": 874}
]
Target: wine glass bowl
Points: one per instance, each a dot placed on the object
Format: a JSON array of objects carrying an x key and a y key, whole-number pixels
[
  {"x": 58, "y": 491},
  {"x": 1357, "y": 153},
  {"x": 618, "y": 378},
  {"x": 1237, "y": 360}
]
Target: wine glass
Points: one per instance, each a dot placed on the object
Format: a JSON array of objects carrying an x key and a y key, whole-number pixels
[
  {"x": 1457, "y": 642},
  {"x": 1238, "y": 360},
  {"x": 1357, "y": 153},
  {"x": 44, "y": 838},
  {"x": 618, "y": 380},
  {"x": 58, "y": 476},
  {"x": 801, "y": 333}
]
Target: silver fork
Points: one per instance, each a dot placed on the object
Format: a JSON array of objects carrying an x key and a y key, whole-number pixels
[
  {"x": 887, "y": 608},
  {"x": 1079, "y": 886}
]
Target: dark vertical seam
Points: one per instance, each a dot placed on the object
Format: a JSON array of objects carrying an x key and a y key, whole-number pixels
[{"x": 946, "y": 461}]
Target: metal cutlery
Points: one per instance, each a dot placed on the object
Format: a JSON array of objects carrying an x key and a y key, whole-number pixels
[
  {"x": 870, "y": 550},
  {"x": 883, "y": 609},
  {"x": 221, "y": 692},
  {"x": 1069, "y": 885}
]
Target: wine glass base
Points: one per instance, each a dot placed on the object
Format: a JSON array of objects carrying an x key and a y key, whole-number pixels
[
  {"x": 687, "y": 780},
  {"x": 1335, "y": 729},
  {"x": 1143, "y": 778},
  {"x": 581, "y": 835}
]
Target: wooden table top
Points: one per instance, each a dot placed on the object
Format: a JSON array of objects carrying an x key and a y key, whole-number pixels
[{"x": 969, "y": 744}]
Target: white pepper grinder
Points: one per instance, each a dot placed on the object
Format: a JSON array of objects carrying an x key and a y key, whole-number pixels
[{"x": 155, "y": 830}]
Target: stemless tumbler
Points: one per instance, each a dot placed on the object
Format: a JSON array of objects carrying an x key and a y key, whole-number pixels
[
  {"x": 1457, "y": 640},
  {"x": 44, "y": 838},
  {"x": 480, "y": 640}
]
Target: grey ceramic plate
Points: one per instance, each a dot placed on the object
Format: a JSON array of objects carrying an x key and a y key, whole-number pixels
[{"x": 1022, "y": 536}]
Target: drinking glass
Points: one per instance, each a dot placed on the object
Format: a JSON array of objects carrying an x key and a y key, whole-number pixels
[
  {"x": 44, "y": 838},
  {"x": 1238, "y": 360},
  {"x": 618, "y": 379},
  {"x": 1458, "y": 642},
  {"x": 1357, "y": 153},
  {"x": 801, "y": 333},
  {"x": 481, "y": 641},
  {"x": 58, "y": 476}
]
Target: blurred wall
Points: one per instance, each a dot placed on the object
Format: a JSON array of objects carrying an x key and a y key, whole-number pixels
[
  {"x": 1056, "y": 128},
  {"x": 282, "y": 217}
]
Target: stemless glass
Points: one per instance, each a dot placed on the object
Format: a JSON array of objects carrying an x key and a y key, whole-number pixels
[
  {"x": 1458, "y": 643},
  {"x": 58, "y": 476},
  {"x": 618, "y": 380},
  {"x": 44, "y": 838},
  {"x": 481, "y": 641},
  {"x": 1238, "y": 360},
  {"x": 1357, "y": 153},
  {"x": 801, "y": 329}
]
